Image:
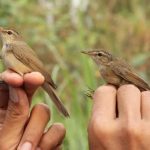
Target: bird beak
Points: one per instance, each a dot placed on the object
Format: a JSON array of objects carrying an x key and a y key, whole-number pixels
[{"x": 90, "y": 53}]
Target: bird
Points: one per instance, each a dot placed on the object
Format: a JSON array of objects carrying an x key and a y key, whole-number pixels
[
  {"x": 18, "y": 56},
  {"x": 116, "y": 71}
]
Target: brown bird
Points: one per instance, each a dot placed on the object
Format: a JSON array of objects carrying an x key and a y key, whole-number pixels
[
  {"x": 19, "y": 57},
  {"x": 116, "y": 71}
]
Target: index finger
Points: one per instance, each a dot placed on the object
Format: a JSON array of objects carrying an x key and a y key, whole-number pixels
[
  {"x": 7, "y": 78},
  {"x": 12, "y": 78},
  {"x": 105, "y": 102}
]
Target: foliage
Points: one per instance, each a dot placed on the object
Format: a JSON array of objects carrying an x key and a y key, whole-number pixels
[{"x": 59, "y": 30}]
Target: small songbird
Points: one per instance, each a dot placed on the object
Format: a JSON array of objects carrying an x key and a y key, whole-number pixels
[
  {"x": 19, "y": 57},
  {"x": 116, "y": 71}
]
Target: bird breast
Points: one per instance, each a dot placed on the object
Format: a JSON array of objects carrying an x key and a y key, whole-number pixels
[{"x": 109, "y": 76}]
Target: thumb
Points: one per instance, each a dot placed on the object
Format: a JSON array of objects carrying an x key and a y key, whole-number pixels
[{"x": 16, "y": 118}]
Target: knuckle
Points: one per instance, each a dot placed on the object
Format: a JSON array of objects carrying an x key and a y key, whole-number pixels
[
  {"x": 132, "y": 129},
  {"x": 17, "y": 112},
  {"x": 60, "y": 129},
  {"x": 101, "y": 128},
  {"x": 42, "y": 108}
]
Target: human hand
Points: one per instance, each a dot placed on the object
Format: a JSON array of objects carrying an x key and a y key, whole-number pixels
[
  {"x": 20, "y": 129},
  {"x": 120, "y": 119}
]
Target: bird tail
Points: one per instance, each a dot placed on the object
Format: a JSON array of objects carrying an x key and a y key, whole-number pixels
[{"x": 49, "y": 89}]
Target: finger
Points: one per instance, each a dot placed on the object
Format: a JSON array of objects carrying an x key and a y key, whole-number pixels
[
  {"x": 104, "y": 102},
  {"x": 53, "y": 138},
  {"x": 146, "y": 105},
  {"x": 12, "y": 78},
  {"x": 4, "y": 93},
  {"x": 57, "y": 148},
  {"x": 39, "y": 118},
  {"x": 2, "y": 116},
  {"x": 16, "y": 117},
  {"x": 8, "y": 77},
  {"x": 4, "y": 96},
  {"x": 129, "y": 99},
  {"x": 32, "y": 81}
]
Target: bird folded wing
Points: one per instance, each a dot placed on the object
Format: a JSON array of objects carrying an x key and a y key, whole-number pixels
[
  {"x": 33, "y": 62},
  {"x": 130, "y": 76}
]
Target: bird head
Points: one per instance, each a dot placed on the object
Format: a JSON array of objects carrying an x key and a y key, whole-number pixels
[
  {"x": 100, "y": 57},
  {"x": 9, "y": 36}
]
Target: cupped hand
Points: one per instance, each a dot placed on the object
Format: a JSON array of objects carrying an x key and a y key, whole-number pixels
[
  {"x": 120, "y": 119},
  {"x": 20, "y": 129}
]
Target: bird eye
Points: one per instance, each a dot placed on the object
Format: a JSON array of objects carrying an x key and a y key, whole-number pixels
[
  {"x": 9, "y": 32},
  {"x": 99, "y": 54}
]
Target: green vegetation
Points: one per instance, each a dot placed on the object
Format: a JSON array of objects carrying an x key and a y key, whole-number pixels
[{"x": 59, "y": 30}]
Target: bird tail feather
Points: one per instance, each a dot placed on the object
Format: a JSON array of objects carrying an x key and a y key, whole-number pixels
[{"x": 51, "y": 92}]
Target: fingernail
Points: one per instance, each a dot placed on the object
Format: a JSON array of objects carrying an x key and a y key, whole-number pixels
[
  {"x": 26, "y": 146},
  {"x": 38, "y": 148},
  {"x": 13, "y": 95}
]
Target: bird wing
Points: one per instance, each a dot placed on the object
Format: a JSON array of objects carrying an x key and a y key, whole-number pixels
[
  {"x": 22, "y": 52},
  {"x": 125, "y": 71}
]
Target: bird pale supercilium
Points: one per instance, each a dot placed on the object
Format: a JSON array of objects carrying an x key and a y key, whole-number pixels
[
  {"x": 116, "y": 71},
  {"x": 19, "y": 57}
]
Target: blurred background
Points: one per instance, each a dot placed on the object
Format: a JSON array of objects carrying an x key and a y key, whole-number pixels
[{"x": 58, "y": 30}]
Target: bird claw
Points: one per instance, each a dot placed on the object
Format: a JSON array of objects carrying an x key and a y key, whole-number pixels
[{"x": 89, "y": 93}]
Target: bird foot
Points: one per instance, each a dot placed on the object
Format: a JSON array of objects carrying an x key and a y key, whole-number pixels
[{"x": 89, "y": 93}]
